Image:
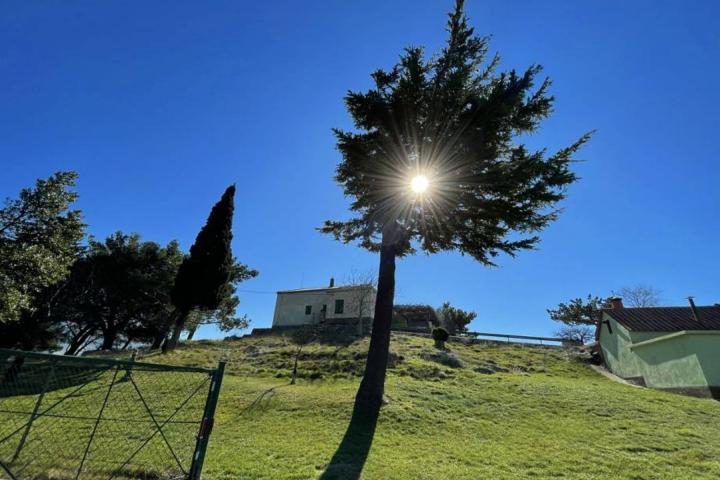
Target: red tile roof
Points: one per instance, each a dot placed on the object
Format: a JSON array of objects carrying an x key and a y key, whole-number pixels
[{"x": 666, "y": 319}]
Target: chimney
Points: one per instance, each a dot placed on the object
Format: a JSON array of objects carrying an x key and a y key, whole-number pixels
[
  {"x": 616, "y": 303},
  {"x": 695, "y": 312},
  {"x": 332, "y": 282}
]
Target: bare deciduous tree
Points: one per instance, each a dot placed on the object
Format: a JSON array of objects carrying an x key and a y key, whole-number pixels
[
  {"x": 640, "y": 296},
  {"x": 363, "y": 298},
  {"x": 580, "y": 333},
  {"x": 301, "y": 337}
]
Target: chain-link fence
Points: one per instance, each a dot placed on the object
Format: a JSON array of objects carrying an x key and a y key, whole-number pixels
[{"x": 86, "y": 418}]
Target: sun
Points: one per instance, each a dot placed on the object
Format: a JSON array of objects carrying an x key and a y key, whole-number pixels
[{"x": 419, "y": 184}]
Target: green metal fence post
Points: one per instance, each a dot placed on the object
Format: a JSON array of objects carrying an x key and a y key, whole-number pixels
[{"x": 207, "y": 423}]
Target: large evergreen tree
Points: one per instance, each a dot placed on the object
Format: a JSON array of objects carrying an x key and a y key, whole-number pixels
[
  {"x": 204, "y": 275},
  {"x": 39, "y": 241},
  {"x": 437, "y": 162}
]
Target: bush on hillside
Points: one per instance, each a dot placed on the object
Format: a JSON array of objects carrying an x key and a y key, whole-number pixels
[{"x": 440, "y": 335}]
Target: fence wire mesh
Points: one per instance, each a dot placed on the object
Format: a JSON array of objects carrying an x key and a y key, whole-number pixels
[{"x": 83, "y": 418}]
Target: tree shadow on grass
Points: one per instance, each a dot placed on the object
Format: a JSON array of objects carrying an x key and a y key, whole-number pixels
[{"x": 349, "y": 458}]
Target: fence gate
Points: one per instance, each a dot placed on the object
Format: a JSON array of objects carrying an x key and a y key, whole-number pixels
[{"x": 90, "y": 418}]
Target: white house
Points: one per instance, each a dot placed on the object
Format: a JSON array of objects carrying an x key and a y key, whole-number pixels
[{"x": 331, "y": 305}]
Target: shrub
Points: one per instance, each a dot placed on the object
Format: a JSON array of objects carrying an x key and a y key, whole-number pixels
[{"x": 440, "y": 335}]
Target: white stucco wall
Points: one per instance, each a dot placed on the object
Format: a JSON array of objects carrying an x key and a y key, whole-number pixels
[
  {"x": 290, "y": 306},
  {"x": 354, "y": 300}
]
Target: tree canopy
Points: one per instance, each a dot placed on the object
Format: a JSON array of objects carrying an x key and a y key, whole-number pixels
[
  {"x": 578, "y": 311},
  {"x": 454, "y": 119},
  {"x": 117, "y": 293},
  {"x": 456, "y": 318},
  {"x": 118, "y": 290},
  {"x": 204, "y": 278},
  {"x": 205, "y": 272},
  {"x": 40, "y": 237}
]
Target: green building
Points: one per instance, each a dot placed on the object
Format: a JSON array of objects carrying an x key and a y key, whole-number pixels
[{"x": 670, "y": 348}]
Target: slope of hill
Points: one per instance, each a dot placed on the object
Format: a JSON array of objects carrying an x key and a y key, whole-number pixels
[{"x": 486, "y": 411}]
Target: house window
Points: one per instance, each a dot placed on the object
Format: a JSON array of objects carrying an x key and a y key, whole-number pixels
[
  {"x": 339, "y": 306},
  {"x": 308, "y": 309}
]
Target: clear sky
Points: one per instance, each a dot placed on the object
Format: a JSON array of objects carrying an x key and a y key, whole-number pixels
[{"x": 160, "y": 105}]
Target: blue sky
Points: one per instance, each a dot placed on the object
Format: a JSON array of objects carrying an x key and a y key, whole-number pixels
[{"x": 160, "y": 105}]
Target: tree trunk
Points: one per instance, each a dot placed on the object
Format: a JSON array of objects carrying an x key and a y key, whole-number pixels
[
  {"x": 78, "y": 341},
  {"x": 172, "y": 342},
  {"x": 158, "y": 340},
  {"x": 294, "y": 373},
  {"x": 109, "y": 337},
  {"x": 191, "y": 332},
  {"x": 370, "y": 394}
]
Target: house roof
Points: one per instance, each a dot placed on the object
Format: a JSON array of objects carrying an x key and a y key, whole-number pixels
[
  {"x": 666, "y": 319},
  {"x": 326, "y": 289}
]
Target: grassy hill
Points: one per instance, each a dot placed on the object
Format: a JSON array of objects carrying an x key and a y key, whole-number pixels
[{"x": 486, "y": 411}]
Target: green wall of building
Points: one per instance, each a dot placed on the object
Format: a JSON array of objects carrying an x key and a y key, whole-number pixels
[{"x": 687, "y": 360}]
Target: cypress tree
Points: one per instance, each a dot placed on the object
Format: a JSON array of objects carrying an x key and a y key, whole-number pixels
[
  {"x": 203, "y": 276},
  {"x": 436, "y": 162}
]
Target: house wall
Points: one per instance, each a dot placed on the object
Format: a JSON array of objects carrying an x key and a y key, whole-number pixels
[
  {"x": 290, "y": 306},
  {"x": 669, "y": 360},
  {"x": 688, "y": 360},
  {"x": 615, "y": 346},
  {"x": 358, "y": 303}
]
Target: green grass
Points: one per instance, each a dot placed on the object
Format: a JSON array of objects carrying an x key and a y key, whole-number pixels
[{"x": 548, "y": 416}]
